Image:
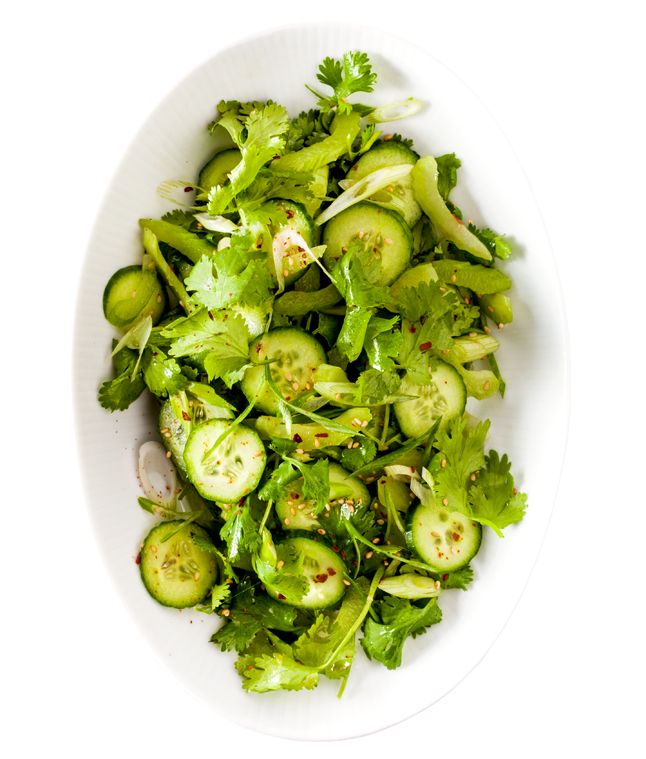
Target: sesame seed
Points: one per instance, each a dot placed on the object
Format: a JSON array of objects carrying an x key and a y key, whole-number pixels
[
  {"x": 435, "y": 534},
  {"x": 346, "y": 582},
  {"x": 317, "y": 443},
  {"x": 437, "y": 585},
  {"x": 369, "y": 555},
  {"x": 288, "y": 377},
  {"x": 280, "y": 564},
  {"x": 376, "y": 541},
  {"x": 501, "y": 325},
  {"x": 226, "y": 612},
  {"x": 338, "y": 396},
  {"x": 356, "y": 445},
  {"x": 300, "y": 451},
  {"x": 473, "y": 478},
  {"x": 321, "y": 531},
  {"x": 295, "y": 386},
  {"x": 285, "y": 273},
  {"x": 292, "y": 511},
  {"x": 443, "y": 463},
  {"x": 168, "y": 454},
  {"x": 445, "y": 501},
  {"x": 286, "y": 520}
]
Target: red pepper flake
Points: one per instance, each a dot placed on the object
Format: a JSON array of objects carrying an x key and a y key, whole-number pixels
[
  {"x": 426, "y": 346},
  {"x": 188, "y": 189},
  {"x": 281, "y": 597},
  {"x": 185, "y": 416},
  {"x": 343, "y": 555},
  {"x": 321, "y": 434},
  {"x": 335, "y": 549},
  {"x": 138, "y": 558},
  {"x": 320, "y": 578},
  {"x": 412, "y": 328},
  {"x": 331, "y": 571},
  {"x": 258, "y": 347},
  {"x": 290, "y": 213},
  {"x": 297, "y": 438},
  {"x": 445, "y": 578}
]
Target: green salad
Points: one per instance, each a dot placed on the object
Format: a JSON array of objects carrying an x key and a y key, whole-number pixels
[{"x": 312, "y": 318}]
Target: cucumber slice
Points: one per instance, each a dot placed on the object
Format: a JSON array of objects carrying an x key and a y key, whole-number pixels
[
  {"x": 445, "y": 540},
  {"x": 399, "y": 197},
  {"x": 232, "y": 469},
  {"x": 173, "y": 433},
  {"x": 131, "y": 294},
  {"x": 174, "y": 569},
  {"x": 312, "y": 436},
  {"x": 295, "y": 356},
  {"x": 386, "y": 241},
  {"x": 445, "y": 395},
  {"x": 297, "y": 513},
  {"x": 319, "y": 565},
  {"x": 418, "y": 275},
  {"x": 216, "y": 170},
  {"x": 295, "y": 260}
]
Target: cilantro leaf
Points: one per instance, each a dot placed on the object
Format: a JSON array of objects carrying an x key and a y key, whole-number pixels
[
  {"x": 374, "y": 386},
  {"x": 215, "y": 288},
  {"x": 276, "y": 486},
  {"x": 345, "y": 76},
  {"x": 460, "y": 579},
  {"x": 497, "y": 244},
  {"x": 222, "y": 340},
  {"x": 354, "y": 279},
  {"x": 118, "y": 393},
  {"x": 260, "y": 138},
  {"x": 447, "y": 173},
  {"x": 400, "y": 619},
  {"x": 494, "y": 499},
  {"x": 383, "y": 343},
  {"x": 276, "y": 671},
  {"x": 316, "y": 483},
  {"x": 249, "y": 614},
  {"x": 306, "y": 129},
  {"x": 240, "y": 531},
  {"x": 353, "y": 458},
  {"x": 162, "y": 374},
  {"x": 462, "y": 447}
]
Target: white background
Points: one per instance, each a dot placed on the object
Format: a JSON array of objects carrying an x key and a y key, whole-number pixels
[{"x": 565, "y": 81}]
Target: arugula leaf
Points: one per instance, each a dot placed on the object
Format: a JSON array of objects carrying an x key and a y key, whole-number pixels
[
  {"x": 462, "y": 447},
  {"x": 494, "y": 499},
  {"x": 353, "y": 73},
  {"x": 163, "y": 375},
  {"x": 118, "y": 393},
  {"x": 400, "y": 619},
  {"x": 240, "y": 531},
  {"x": 447, "y": 173},
  {"x": 260, "y": 139}
]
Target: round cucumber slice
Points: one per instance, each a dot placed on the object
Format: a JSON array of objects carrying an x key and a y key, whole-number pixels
[
  {"x": 398, "y": 197},
  {"x": 383, "y": 241},
  {"x": 131, "y": 294},
  {"x": 445, "y": 540},
  {"x": 443, "y": 396},
  {"x": 223, "y": 461},
  {"x": 418, "y": 275},
  {"x": 297, "y": 513},
  {"x": 322, "y": 569},
  {"x": 174, "y": 569},
  {"x": 216, "y": 170},
  {"x": 294, "y": 355}
]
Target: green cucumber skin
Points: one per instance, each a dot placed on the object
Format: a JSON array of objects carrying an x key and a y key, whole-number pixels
[
  {"x": 276, "y": 340},
  {"x": 369, "y": 219},
  {"x": 416, "y": 544},
  {"x": 150, "y": 573},
  {"x": 153, "y": 306}
]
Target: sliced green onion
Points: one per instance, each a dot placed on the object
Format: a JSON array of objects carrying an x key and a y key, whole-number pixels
[
  {"x": 216, "y": 223},
  {"x": 411, "y": 586},
  {"x": 400, "y": 109},
  {"x": 364, "y": 188}
]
